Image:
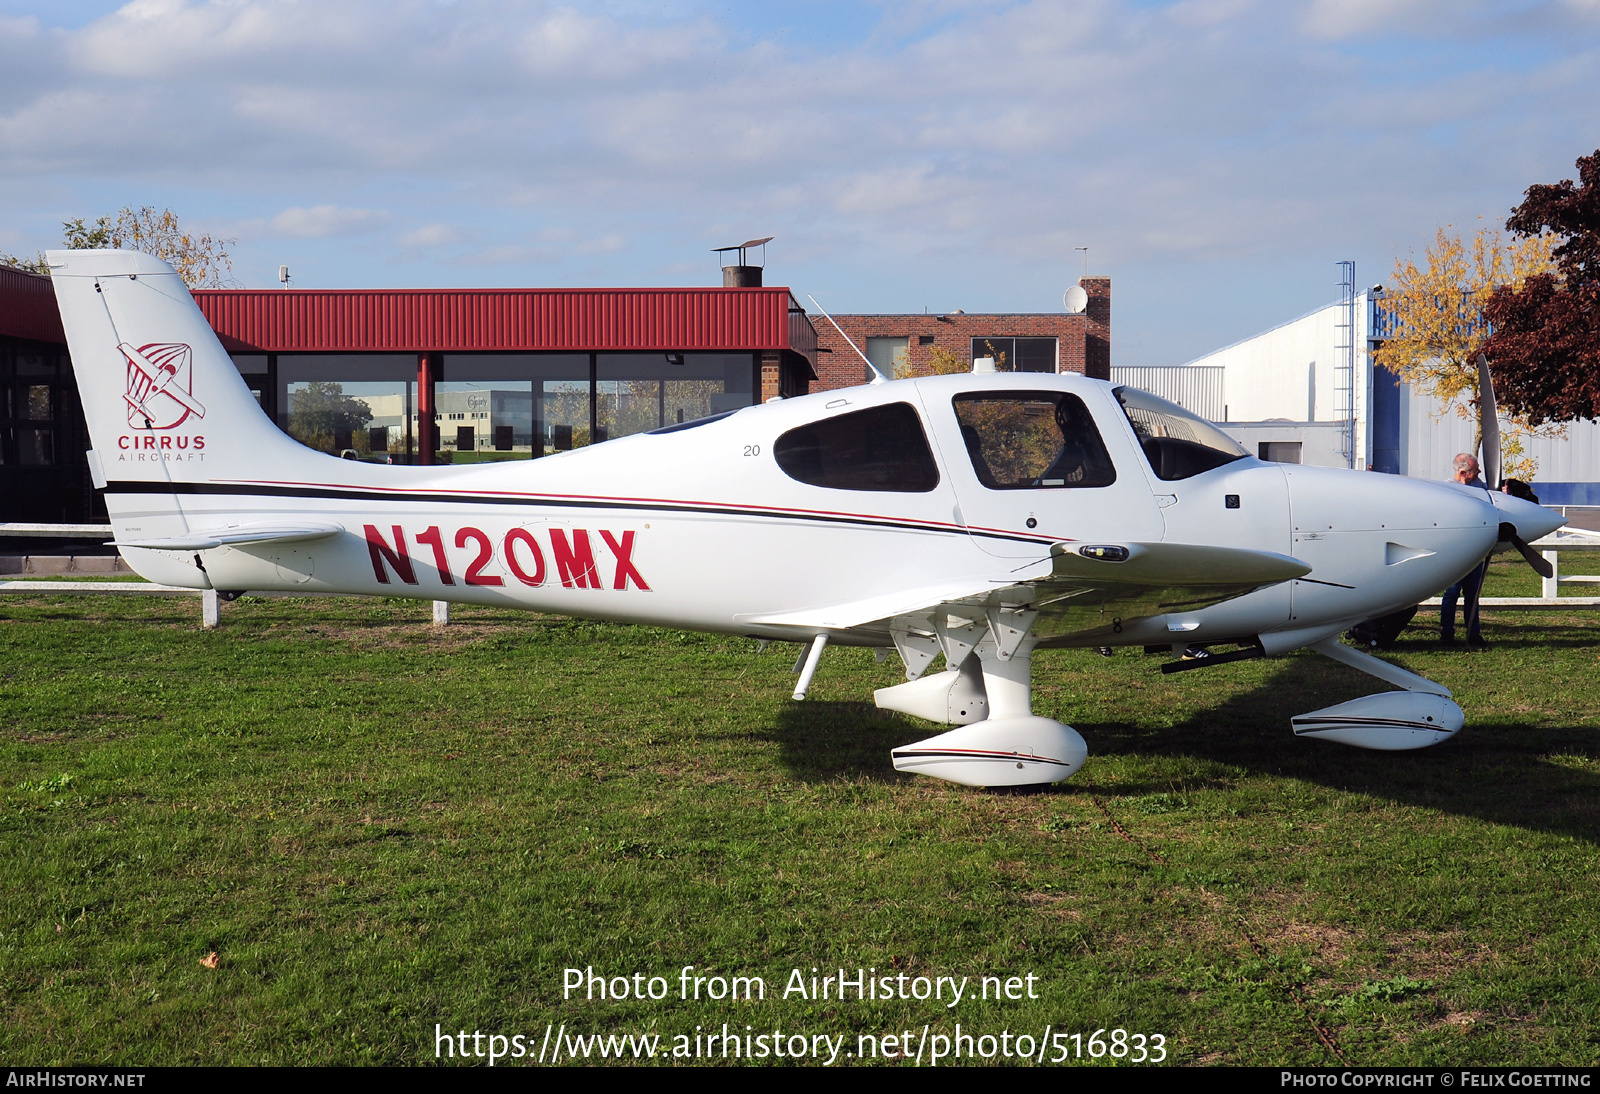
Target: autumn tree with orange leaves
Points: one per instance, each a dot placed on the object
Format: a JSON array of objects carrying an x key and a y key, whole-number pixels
[
  {"x": 201, "y": 260},
  {"x": 1438, "y": 325}
]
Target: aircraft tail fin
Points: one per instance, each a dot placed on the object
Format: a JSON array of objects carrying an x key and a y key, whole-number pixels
[{"x": 162, "y": 399}]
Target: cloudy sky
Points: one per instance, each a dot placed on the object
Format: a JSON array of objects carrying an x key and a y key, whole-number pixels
[{"x": 1216, "y": 157}]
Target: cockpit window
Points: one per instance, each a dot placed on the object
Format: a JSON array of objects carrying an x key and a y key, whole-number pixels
[
  {"x": 1020, "y": 440},
  {"x": 1179, "y": 445},
  {"x": 880, "y": 448}
]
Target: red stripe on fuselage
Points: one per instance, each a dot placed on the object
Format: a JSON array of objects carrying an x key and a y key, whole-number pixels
[{"x": 579, "y": 499}]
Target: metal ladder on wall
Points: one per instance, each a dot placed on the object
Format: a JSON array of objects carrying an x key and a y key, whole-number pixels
[{"x": 1344, "y": 363}]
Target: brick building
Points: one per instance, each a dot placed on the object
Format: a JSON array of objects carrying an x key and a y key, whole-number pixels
[{"x": 903, "y": 345}]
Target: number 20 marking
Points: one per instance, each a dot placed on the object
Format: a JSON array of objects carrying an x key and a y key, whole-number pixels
[{"x": 752, "y": 450}]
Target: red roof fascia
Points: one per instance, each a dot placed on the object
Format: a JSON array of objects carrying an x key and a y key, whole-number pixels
[
  {"x": 500, "y": 320},
  {"x": 28, "y": 307}
]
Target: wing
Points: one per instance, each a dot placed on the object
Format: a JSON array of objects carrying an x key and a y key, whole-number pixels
[
  {"x": 238, "y": 536},
  {"x": 1090, "y": 584},
  {"x": 1079, "y": 594}
]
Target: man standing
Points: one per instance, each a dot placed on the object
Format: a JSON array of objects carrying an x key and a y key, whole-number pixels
[{"x": 1468, "y": 587}]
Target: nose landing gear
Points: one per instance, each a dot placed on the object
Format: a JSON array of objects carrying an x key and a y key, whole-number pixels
[{"x": 1421, "y": 715}]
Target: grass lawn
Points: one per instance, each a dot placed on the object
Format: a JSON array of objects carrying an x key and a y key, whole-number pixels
[{"x": 377, "y": 826}]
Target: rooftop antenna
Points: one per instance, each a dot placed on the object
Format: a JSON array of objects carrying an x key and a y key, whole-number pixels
[
  {"x": 283, "y": 276},
  {"x": 1076, "y": 298},
  {"x": 877, "y": 377}
]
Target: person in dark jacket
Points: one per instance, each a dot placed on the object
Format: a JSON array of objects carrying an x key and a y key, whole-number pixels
[{"x": 1471, "y": 584}]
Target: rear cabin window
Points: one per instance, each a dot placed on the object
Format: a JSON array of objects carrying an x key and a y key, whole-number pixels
[
  {"x": 880, "y": 448},
  {"x": 1020, "y": 440}
]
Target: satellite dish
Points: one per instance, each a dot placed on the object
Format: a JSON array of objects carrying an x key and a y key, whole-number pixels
[{"x": 1075, "y": 300}]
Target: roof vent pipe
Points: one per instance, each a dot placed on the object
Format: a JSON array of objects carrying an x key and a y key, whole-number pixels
[{"x": 741, "y": 273}]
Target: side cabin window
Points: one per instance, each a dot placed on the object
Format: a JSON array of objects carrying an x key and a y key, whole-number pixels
[
  {"x": 1020, "y": 440},
  {"x": 880, "y": 448},
  {"x": 1178, "y": 444}
]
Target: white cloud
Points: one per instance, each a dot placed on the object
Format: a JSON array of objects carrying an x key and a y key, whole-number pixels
[
  {"x": 432, "y": 235},
  {"x": 1338, "y": 18},
  {"x": 323, "y": 221},
  {"x": 568, "y": 141}
]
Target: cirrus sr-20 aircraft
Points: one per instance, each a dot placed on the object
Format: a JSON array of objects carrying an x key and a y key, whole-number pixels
[{"x": 978, "y": 517}]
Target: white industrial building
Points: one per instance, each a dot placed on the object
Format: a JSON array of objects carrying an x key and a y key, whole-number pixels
[{"x": 1306, "y": 391}]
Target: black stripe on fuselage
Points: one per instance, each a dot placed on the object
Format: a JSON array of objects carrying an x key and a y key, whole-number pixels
[{"x": 358, "y": 495}]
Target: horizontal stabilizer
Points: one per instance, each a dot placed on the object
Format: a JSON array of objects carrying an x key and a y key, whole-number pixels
[{"x": 236, "y": 537}]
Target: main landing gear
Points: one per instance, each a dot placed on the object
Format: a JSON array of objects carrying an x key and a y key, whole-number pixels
[{"x": 988, "y": 695}]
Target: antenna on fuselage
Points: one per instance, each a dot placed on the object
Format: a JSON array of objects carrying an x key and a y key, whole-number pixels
[{"x": 877, "y": 377}]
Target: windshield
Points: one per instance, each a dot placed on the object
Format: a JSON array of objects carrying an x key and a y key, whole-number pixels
[{"x": 1178, "y": 444}]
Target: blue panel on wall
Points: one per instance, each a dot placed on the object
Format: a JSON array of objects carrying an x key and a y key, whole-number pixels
[
  {"x": 1567, "y": 493},
  {"x": 1385, "y": 421}
]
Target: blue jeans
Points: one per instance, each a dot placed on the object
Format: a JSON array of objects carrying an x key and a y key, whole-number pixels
[{"x": 1466, "y": 590}]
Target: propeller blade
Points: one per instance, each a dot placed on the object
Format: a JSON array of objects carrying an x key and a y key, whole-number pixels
[
  {"x": 1508, "y": 534},
  {"x": 1488, "y": 424},
  {"x": 1535, "y": 559}
]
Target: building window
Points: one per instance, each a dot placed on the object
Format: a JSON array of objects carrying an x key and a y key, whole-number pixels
[
  {"x": 1017, "y": 354},
  {"x": 638, "y": 392},
  {"x": 36, "y": 447},
  {"x": 890, "y": 356},
  {"x": 36, "y": 406},
  {"x": 337, "y": 401},
  {"x": 530, "y": 404},
  {"x": 1279, "y": 451}
]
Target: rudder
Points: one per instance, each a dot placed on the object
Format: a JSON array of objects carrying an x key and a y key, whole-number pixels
[
  {"x": 162, "y": 399},
  {"x": 165, "y": 406}
]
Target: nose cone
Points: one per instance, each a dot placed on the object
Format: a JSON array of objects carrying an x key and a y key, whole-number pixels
[{"x": 1531, "y": 521}]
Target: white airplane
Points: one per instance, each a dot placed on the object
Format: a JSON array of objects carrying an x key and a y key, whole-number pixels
[{"x": 979, "y": 516}]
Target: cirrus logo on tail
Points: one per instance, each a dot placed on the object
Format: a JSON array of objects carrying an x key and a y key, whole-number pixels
[{"x": 160, "y": 391}]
